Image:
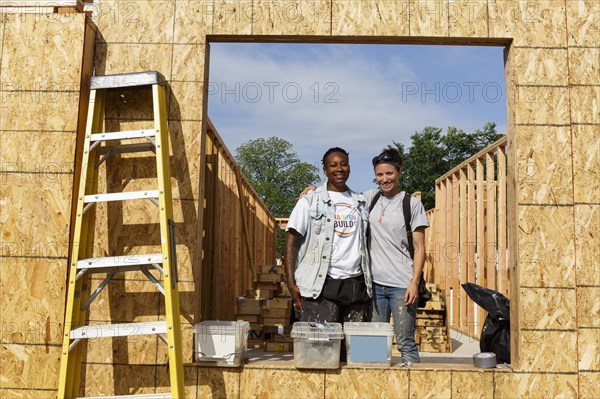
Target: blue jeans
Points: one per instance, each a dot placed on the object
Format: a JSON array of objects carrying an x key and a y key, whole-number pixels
[{"x": 390, "y": 300}]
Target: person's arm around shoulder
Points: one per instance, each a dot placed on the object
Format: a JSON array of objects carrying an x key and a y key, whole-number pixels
[
  {"x": 412, "y": 292},
  {"x": 293, "y": 240}
]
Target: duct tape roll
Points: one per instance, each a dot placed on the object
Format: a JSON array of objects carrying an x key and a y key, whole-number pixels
[{"x": 484, "y": 360}]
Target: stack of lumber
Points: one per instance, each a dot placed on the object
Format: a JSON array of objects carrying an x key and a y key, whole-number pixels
[
  {"x": 268, "y": 311},
  {"x": 432, "y": 333}
]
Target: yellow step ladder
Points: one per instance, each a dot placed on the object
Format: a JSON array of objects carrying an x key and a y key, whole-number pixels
[{"x": 82, "y": 260}]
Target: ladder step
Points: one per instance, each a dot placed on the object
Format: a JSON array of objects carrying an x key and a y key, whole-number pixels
[
  {"x": 126, "y": 261},
  {"x": 123, "y": 148},
  {"x": 139, "y": 396},
  {"x": 129, "y": 134},
  {"x": 130, "y": 195},
  {"x": 119, "y": 330},
  {"x": 124, "y": 80}
]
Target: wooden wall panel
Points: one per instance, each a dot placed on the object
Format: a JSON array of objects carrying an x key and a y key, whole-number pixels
[
  {"x": 298, "y": 17},
  {"x": 425, "y": 384},
  {"x": 542, "y": 385},
  {"x": 587, "y": 219},
  {"x": 541, "y": 23},
  {"x": 272, "y": 382},
  {"x": 380, "y": 17},
  {"x": 472, "y": 384},
  {"x": 355, "y": 383},
  {"x": 218, "y": 383},
  {"x": 467, "y": 18},
  {"x": 197, "y": 13},
  {"x": 127, "y": 57},
  {"x": 22, "y": 366},
  {"x": 429, "y": 18},
  {"x": 136, "y": 21},
  {"x": 233, "y": 17},
  {"x": 582, "y": 22}
]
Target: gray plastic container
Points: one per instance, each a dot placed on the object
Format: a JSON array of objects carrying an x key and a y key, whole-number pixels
[{"x": 317, "y": 345}]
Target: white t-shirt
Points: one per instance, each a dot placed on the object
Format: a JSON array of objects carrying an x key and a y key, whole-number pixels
[{"x": 345, "y": 254}]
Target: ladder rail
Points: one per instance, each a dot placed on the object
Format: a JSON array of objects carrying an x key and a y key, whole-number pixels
[{"x": 166, "y": 214}]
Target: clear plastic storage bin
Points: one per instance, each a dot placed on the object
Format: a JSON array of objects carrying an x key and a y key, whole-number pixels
[
  {"x": 317, "y": 345},
  {"x": 221, "y": 343},
  {"x": 368, "y": 344}
]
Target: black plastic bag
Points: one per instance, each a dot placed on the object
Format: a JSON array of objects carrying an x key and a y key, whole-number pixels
[{"x": 495, "y": 334}]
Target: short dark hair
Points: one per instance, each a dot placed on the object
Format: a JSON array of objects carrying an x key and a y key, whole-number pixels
[
  {"x": 389, "y": 155},
  {"x": 332, "y": 150}
]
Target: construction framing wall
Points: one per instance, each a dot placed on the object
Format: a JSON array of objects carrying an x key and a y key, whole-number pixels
[{"x": 553, "y": 91}]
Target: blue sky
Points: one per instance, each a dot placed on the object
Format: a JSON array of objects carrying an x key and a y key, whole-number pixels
[{"x": 358, "y": 97}]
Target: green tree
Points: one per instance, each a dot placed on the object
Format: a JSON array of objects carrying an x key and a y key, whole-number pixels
[
  {"x": 432, "y": 154},
  {"x": 277, "y": 175},
  {"x": 276, "y": 172}
]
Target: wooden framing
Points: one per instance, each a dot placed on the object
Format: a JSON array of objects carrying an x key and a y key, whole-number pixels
[{"x": 472, "y": 208}]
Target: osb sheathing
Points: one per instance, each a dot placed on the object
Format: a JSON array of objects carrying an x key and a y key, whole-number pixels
[
  {"x": 553, "y": 126},
  {"x": 42, "y": 60}
]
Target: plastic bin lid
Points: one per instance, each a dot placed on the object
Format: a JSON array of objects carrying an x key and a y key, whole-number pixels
[
  {"x": 313, "y": 330},
  {"x": 368, "y": 328},
  {"x": 220, "y": 327}
]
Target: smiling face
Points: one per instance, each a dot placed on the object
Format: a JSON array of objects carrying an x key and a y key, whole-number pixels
[
  {"x": 387, "y": 177},
  {"x": 337, "y": 170}
]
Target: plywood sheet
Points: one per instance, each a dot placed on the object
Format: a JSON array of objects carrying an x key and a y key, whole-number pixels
[
  {"x": 589, "y": 385},
  {"x": 190, "y": 380},
  {"x": 199, "y": 14},
  {"x": 28, "y": 393},
  {"x": 371, "y": 383},
  {"x": 517, "y": 385},
  {"x": 542, "y": 105},
  {"x": 468, "y": 18},
  {"x": 586, "y": 163},
  {"x": 588, "y": 348},
  {"x": 22, "y": 365},
  {"x": 189, "y": 62},
  {"x": 118, "y": 379},
  {"x": 36, "y": 200},
  {"x": 541, "y": 66},
  {"x": 543, "y": 155},
  {"x": 549, "y": 351},
  {"x": 380, "y": 17},
  {"x": 582, "y": 17},
  {"x": 546, "y": 248},
  {"x": 548, "y": 308},
  {"x": 427, "y": 384},
  {"x": 588, "y": 305},
  {"x": 234, "y": 16},
  {"x": 114, "y": 58},
  {"x": 137, "y": 21},
  {"x": 584, "y": 66},
  {"x": 298, "y": 17},
  {"x": 587, "y": 240},
  {"x": 51, "y": 47},
  {"x": 20, "y": 151},
  {"x": 186, "y": 101},
  {"x": 270, "y": 383},
  {"x": 39, "y": 110},
  {"x": 472, "y": 384},
  {"x": 429, "y": 18},
  {"x": 139, "y": 350},
  {"x": 33, "y": 312},
  {"x": 585, "y": 104},
  {"x": 541, "y": 23},
  {"x": 218, "y": 383}
]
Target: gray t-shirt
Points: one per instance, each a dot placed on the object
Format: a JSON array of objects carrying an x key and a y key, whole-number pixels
[{"x": 390, "y": 260}]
